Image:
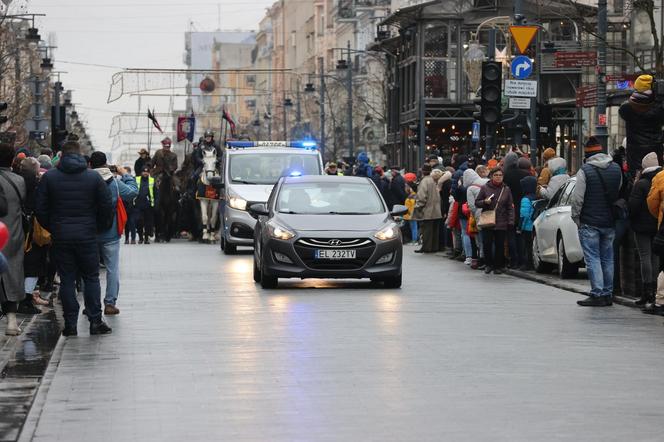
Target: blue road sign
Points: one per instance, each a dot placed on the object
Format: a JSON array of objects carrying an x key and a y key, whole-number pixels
[
  {"x": 522, "y": 67},
  {"x": 476, "y": 131}
]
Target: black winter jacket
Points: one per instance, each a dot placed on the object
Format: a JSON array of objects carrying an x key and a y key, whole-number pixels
[
  {"x": 641, "y": 219},
  {"x": 73, "y": 201},
  {"x": 643, "y": 123}
]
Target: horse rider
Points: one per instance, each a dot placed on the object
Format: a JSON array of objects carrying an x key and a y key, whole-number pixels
[
  {"x": 206, "y": 144},
  {"x": 164, "y": 160}
]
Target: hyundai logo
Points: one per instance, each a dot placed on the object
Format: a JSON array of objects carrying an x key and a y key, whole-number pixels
[{"x": 335, "y": 242}]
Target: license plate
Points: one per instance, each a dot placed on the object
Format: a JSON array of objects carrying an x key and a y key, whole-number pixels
[{"x": 335, "y": 254}]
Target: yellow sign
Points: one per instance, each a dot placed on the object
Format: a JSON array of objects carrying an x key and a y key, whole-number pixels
[{"x": 523, "y": 35}]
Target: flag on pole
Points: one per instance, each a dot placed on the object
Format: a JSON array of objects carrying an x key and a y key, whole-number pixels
[
  {"x": 155, "y": 123},
  {"x": 186, "y": 128},
  {"x": 227, "y": 117}
]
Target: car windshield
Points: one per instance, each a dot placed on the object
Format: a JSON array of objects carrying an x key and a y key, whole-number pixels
[
  {"x": 267, "y": 168},
  {"x": 329, "y": 198}
]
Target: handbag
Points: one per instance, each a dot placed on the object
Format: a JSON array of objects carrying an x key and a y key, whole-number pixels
[
  {"x": 40, "y": 235},
  {"x": 488, "y": 217},
  {"x": 121, "y": 213},
  {"x": 472, "y": 226}
]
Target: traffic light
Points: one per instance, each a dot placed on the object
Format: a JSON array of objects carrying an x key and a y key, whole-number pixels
[
  {"x": 491, "y": 93},
  {"x": 3, "y": 109}
]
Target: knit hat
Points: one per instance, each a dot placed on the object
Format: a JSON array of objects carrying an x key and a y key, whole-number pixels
[
  {"x": 650, "y": 160},
  {"x": 97, "y": 159},
  {"x": 592, "y": 147},
  {"x": 548, "y": 154},
  {"x": 426, "y": 168},
  {"x": 643, "y": 83},
  {"x": 524, "y": 163}
]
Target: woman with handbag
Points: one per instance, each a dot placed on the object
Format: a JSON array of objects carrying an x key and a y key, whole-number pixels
[{"x": 497, "y": 216}]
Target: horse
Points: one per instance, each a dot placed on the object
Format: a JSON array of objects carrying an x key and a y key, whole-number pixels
[
  {"x": 208, "y": 196},
  {"x": 167, "y": 207}
]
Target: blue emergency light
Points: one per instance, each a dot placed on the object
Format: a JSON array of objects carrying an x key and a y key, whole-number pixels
[{"x": 306, "y": 144}]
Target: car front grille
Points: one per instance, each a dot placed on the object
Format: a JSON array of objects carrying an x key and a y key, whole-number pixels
[{"x": 306, "y": 247}]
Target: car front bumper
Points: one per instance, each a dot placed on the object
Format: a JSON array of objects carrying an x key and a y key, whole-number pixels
[
  {"x": 304, "y": 266},
  {"x": 238, "y": 227}
]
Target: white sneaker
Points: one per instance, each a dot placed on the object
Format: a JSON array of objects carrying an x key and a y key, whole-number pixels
[{"x": 468, "y": 261}]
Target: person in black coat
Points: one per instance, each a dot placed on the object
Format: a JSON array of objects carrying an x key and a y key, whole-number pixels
[
  {"x": 142, "y": 161},
  {"x": 397, "y": 188},
  {"x": 515, "y": 170},
  {"x": 74, "y": 203},
  {"x": 645, "y": 228}
]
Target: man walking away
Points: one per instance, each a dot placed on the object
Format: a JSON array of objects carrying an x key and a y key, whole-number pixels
[
  {"x": 597, "y": 188},
  {"x": 74, "y": 203},
  {"x": 12, "y": 289},
  {"x": 108, "y": 241},
  {"x": 427, "y": 210}
]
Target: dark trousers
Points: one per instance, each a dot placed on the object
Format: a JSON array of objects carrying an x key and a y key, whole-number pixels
[
  {"x": 494, "y": 248},
  {"x": 430, "y": 235},
  {"x": 130, "y": 227},
  {"x": 78, "y": 259},
  {"x": 525, "y": 240},
  {"x": 145, "y": 222}
]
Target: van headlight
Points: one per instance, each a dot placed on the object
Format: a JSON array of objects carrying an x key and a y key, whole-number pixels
[
  {"x": 278, "y": 231},
  {"x": 387, "y": 233},
  {"x": 237, "y": 203}
]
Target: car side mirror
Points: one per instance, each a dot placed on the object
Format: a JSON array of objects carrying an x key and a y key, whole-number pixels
[
  {"x": 399, "y": 210},
  {"x": 259, "y": 209}
]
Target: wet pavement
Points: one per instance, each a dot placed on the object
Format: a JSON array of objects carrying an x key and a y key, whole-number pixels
[
  {"x": 200, "y": 352},
  {"x": 25, "y": 359}
]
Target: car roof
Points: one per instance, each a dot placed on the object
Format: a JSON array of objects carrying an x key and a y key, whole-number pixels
[
  {"x": 260, "y": 151},
  {"x": 325, "y": 179}
]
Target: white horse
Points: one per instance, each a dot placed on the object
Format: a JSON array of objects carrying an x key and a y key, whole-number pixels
[{"x": 209, "y": 206}]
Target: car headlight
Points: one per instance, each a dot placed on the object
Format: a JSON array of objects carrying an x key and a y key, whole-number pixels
[
  {"x": 277, "y": 231},
  {"x": 237, "y": 203},
  {"x": 389, "y": 232}
]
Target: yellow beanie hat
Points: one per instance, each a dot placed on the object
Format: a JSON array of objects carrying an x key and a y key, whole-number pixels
[{"x": 643, "y": 83}]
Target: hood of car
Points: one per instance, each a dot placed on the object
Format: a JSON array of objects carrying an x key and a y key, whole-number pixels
[
  {"x": 258, "y": 193},
  {"x": 338, "y": 223}
]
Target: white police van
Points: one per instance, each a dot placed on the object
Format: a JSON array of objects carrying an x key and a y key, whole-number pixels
[{"x": 250, "y": 169}]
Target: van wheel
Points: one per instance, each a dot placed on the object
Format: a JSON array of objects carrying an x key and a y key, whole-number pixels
[{"x": 565, "y": 268}]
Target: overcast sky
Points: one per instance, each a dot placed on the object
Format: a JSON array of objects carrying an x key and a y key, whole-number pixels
[{"x": 122, "y": 33}]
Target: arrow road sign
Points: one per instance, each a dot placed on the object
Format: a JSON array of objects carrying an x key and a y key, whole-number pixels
[{"x": 522, "y": 67}]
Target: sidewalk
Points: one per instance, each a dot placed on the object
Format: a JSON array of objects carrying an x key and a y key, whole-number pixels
[{"x": 579, "y": 284}]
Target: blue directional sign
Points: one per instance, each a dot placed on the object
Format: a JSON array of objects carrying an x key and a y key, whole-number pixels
[
  {"x": 522, "y": 67},
  {"x": 476, "y": 131}
]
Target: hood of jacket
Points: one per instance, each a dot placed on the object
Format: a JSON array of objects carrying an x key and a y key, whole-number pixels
[
  {"x": 511, "y": 160},
  {"x": 557, "y": 166},
  {"x": 529, "y": 186},
  {"x": 548, "y": 154},
  {"x": 447, "y": 175},
  {"x": 363, "y": 158},
  {"x": 600, "y": 160},
  {"x": 469, "y": 177},
  {"x": 105, "y": 173},
  {"x": 72, "y": 163},
  {"x": 642, "y": 101}
]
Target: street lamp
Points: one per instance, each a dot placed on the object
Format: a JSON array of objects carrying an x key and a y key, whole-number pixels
[{"x": 346, "y": 65}]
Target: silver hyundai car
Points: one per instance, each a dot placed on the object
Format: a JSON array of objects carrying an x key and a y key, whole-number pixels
[{"x": 326, "y": 227}]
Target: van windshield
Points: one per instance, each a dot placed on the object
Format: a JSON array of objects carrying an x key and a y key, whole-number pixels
[{"x": 267, "y": 168}]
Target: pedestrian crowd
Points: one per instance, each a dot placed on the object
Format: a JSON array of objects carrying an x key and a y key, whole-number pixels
[{"x": 65, "y": 214}]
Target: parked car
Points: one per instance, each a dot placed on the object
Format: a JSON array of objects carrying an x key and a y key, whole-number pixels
[{"x": 556, "y": 237}]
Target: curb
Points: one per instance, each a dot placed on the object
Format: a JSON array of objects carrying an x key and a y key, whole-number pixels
[
  {"x": 39, "y": 401},
  {"x": 534, "y": 277}
]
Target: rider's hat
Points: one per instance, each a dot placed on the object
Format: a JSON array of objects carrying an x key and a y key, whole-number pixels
[{"x": 166, "y": 140}]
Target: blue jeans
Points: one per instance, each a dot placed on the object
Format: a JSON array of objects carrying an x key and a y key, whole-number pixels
[
  {"x": 597, "y": 245},
  {"x": 414, "y": 234},
  {"x": 74, "y": 260},
  {"x": 465, "y": 238},
  {"x": 110, "y": 252}
]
